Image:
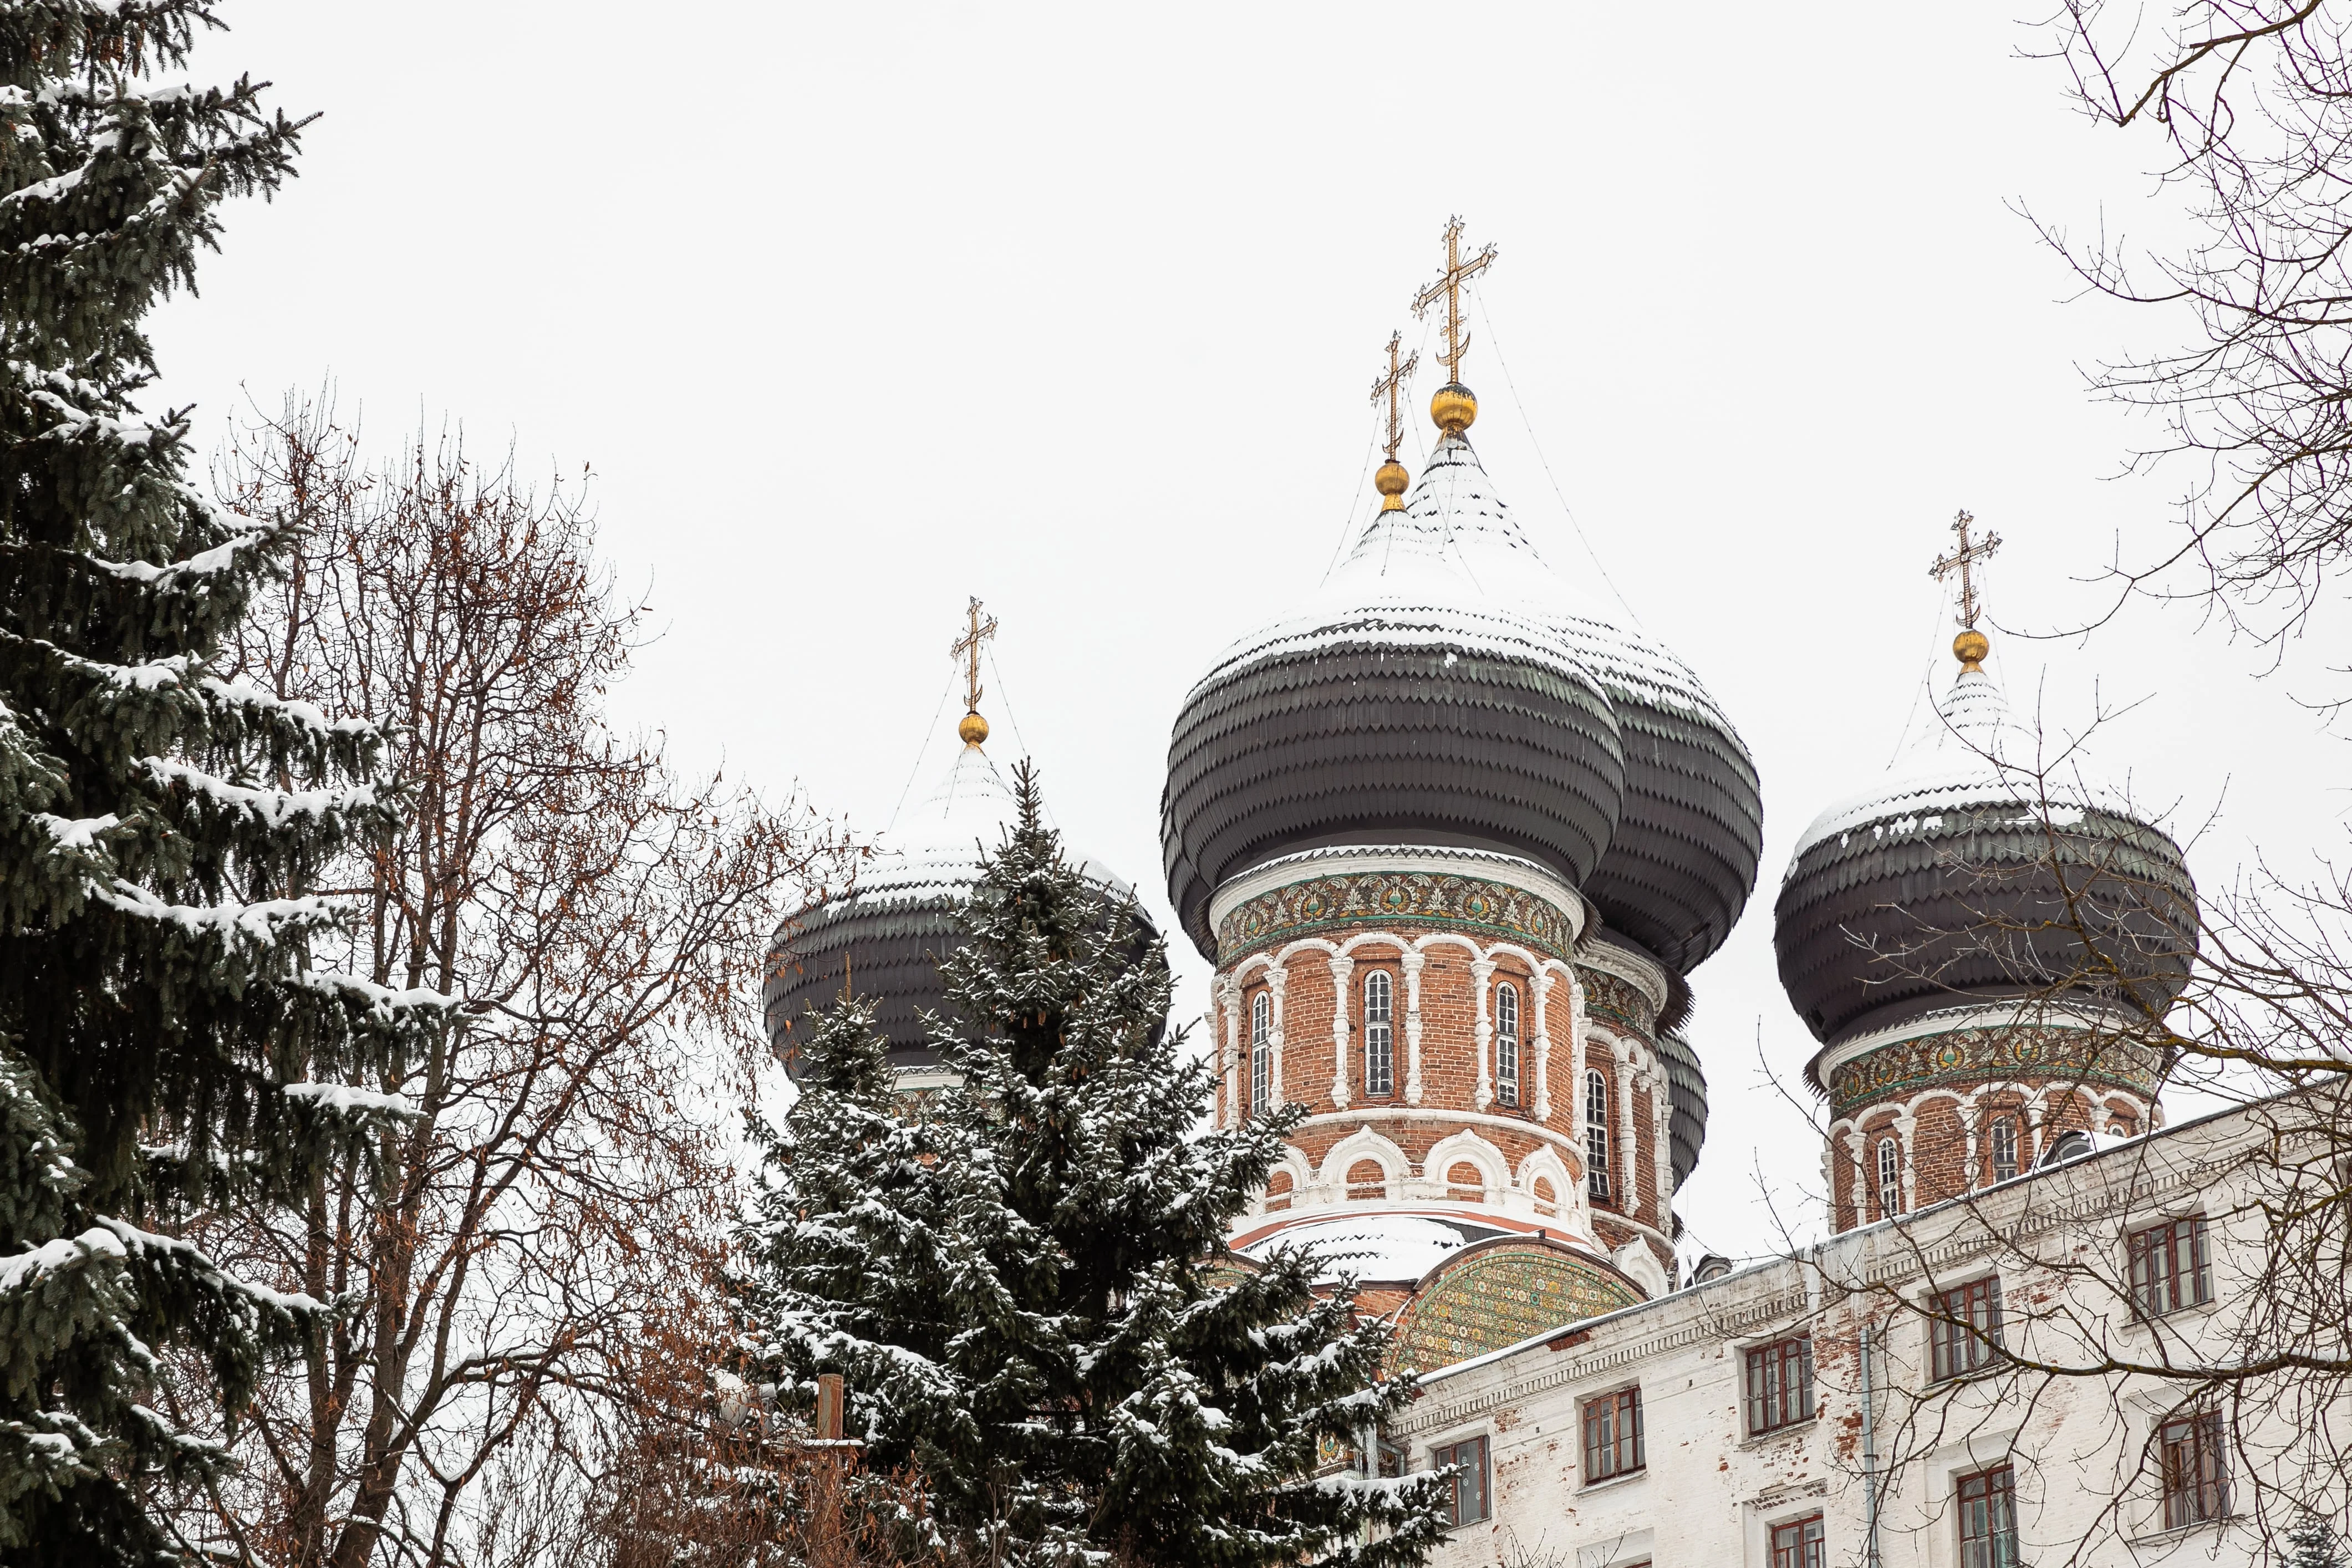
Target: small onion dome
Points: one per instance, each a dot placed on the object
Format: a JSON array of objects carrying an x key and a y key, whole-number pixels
[
  {"x": 1405, "y": 704},
  {"x": 1686, "y": 1095},
  {"x": 890, "y": 933},
  {"x": 1941, "y": 887},
  {"x": 1645, "y": 799}
]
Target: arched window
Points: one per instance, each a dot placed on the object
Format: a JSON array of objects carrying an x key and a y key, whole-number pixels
[
  {"x": 1261, "y": 1047},
  {"x": 1596, "y": 1135},
  {"x": 1890, "y": 1178},
  {"x": 1379, "y": 1033},
  {"x": 2004, "y": 1148},
  {"x": 1506, "y": 1043}
]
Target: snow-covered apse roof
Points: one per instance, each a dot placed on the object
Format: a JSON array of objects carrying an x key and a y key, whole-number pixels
[{"x": 1374, "y": 1247}]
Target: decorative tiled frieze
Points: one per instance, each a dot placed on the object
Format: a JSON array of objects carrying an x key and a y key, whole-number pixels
[
  {"x": 2091, "y": 1057},
  {"x": 1414, "y": 897},
  {"x": 1617, "y": 1001},
  {"x": 1500, "y": 1296}
]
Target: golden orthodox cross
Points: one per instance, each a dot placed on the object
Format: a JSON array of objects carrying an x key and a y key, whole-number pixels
[
  {"x": 1392, "y": 384},
  {"x": 967, "y": 649},
  {"x": 1448, "y": 287},
  {"x": 1963, "y": 561}
]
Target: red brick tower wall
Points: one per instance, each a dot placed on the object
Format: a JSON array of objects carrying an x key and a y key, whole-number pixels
[
  {"x": 1444, "y": 1138},
  {"x": 1967, "y": 1103}
]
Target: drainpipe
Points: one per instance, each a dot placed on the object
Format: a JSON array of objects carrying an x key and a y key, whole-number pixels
[{"x": 1869, "y": 1458}]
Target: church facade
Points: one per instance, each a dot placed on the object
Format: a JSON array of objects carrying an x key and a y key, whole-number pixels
[{"x": 1453, "y": 841}]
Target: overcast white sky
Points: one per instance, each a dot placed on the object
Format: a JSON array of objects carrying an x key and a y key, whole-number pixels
[{"x": 857, "y": 310}]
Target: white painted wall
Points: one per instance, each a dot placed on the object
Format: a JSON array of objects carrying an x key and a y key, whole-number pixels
[{"x": 1709, "y": 1493}]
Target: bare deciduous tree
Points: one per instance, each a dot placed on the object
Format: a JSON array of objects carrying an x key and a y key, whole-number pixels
[
  {"x": 2250, "y": 102},
  {"x": 2098, "y": 1348},
  {"x": 565, "y": 1178}
]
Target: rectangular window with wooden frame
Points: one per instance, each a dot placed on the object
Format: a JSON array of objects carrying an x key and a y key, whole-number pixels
[
  {"x": 2196, "y": 1484},
  {"x": 1779, "y": 1384},
  {"x": 1988, "y": 1507},
  {"x": 1613, "y": 1435},
  {"x": 2170, "y": 1269},
  {"x": 1800, "y": 1543},
  {"x": 1965, "y": 1328},
  {"x": 1467, "y": 1460}
]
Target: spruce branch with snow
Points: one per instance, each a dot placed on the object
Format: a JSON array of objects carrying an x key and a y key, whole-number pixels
[
  {"x": 163, "y": 1048},
  {"x": 1024, "y": 1279}
]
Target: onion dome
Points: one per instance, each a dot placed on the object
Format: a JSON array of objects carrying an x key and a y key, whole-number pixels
[
  {"x": 887, "y": 937},
  {"x": 1404, "y": 704},
  {"x": 1687, "y": 1098},
  {"x": 1945, "y": 885},
  {"x": 1444, "y": 688}
]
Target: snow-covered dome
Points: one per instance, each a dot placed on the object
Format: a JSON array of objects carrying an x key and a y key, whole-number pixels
[
  {"x": 886, "y": 937},
  {"x": 1947, "y": 881},
  {"x": 1445, "y": 687}
]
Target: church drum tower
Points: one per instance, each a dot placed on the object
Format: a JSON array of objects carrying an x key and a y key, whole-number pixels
[{"x": 1452, "y": 842}]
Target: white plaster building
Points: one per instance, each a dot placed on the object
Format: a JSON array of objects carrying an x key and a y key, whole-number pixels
[{"x": 1730, "y": 1471}]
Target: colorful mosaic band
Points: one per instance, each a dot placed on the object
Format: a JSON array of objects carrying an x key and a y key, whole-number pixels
[
  {"x": 1414, "y": 897},
  {"x": 1617, "y": 1001},
  {"x": 2094, "y": 1057},
  {"x": 1497, "y": 1297}
]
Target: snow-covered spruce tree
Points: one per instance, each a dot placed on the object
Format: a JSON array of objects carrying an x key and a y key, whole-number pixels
[
  {"x": 161, "y": 1043},
  {"x": 1026, "y": 1283},
  {"x": 2310, "y": 1544}
]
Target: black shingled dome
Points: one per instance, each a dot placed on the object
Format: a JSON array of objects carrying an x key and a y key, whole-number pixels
[
  {"x": 1449, "y": 690},
  {"x": 1952, "y": 889},
  {"x": 889, "y": 936},
  {"x": 1353, "y": 740},
  {"x": 1682, "y": 860},
  {"x": 890, "y": 952}
]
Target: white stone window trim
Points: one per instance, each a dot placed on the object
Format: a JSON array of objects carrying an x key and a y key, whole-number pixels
[
  {"x": 1378, "y": 990},
  {"x": 1261, "y": 1051},
  {"x": 1466, "y": 1147},
  {"x": 1484, "y": 1433},
  {"x": 1624, "y": 1479},
  {"x": 1225, "y": 999},
  {"x": 1888, "y": 1156},
  {"x": 1600, "y": 1158},
  {"x": 1411, "y": 958},
  {"x": 1331, "y": 1175},
  {"x": 1342, "y": 967},
  {"x": 2152, "y": 1411},
  {"x": 1510, "y": 1087}
]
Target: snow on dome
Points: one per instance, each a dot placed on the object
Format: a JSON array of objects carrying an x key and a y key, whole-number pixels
[
  {"x": 1973, "y": 753},
  {"x": 1385, "y": 1247},
  {"x": 1452, "y": 575},
  {"x": 886, "y": 936},
  {"x": 1961, "y": 876}
]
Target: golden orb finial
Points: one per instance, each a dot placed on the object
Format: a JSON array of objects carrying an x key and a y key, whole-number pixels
[
  {"x": 1971, "y": 647},
  {"x": 1454, "y": 408},
  {"x": 973, "y": 731},
  {"x": 1391, "y": 481}
]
